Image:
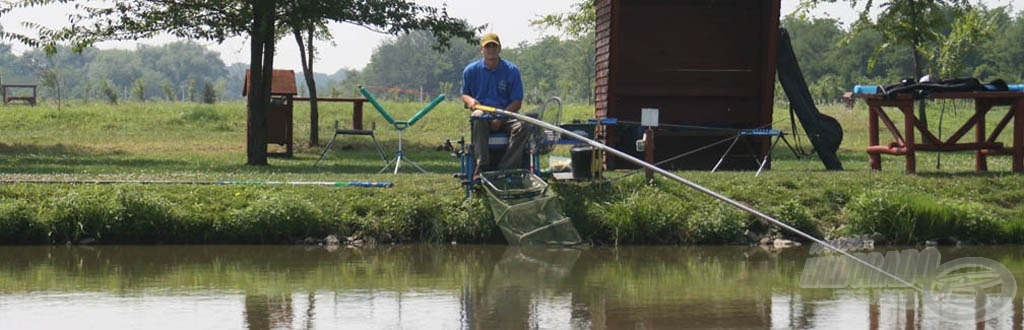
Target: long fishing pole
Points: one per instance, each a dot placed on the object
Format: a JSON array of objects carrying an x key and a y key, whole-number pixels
[
  {"x": 366, "y": 184},
  {"x": 693, "y": 185}
]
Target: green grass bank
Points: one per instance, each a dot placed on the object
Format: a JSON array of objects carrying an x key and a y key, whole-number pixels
[{"x": 201, "y": 143}]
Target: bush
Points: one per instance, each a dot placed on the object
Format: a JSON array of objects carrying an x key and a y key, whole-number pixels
[
  {"x": 715, "y": 223},
  {"x": 797, "y": 216},
  {"x": 468, "y": 221},
  {"x": 143, "y": 217},
  {"x": 17, "y": 226},
  {"x": 910, "y": 218},
  {"x": 644, "y": 216},
  {"x": 75, "y": 216},
  {"x": 280, "y": 219}
]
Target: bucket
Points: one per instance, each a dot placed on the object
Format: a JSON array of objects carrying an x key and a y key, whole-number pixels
[{"x": 582, "y": 160}]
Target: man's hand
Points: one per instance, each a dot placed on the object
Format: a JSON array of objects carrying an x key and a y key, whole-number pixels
[{"x": 470, "y": 102}]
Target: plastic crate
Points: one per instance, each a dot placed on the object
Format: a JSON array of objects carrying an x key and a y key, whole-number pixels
[{"x": 513, "y": 184}]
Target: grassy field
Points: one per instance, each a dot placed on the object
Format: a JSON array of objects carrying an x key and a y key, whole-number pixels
[{"x": 202, "y": 143}]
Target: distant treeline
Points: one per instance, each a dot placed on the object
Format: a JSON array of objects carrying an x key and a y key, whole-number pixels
[
  {"x": 833, "y": 59},
  {"x": 407, "y": 67}
]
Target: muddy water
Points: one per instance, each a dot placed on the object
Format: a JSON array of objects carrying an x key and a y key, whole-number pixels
[{"x": 451, "y": 287}]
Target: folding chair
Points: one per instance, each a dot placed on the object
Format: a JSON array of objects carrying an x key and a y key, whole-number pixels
[
  {"x": 758, "y": 132},
  {"x": 362, "y": 132},
  {"x": 400, "y": 126}
]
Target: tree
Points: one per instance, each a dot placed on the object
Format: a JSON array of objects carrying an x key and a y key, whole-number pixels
[
  {"x": 139, "y": 90},
  {"x": 577, "y": 23},
  {"x": 969, "y": 29},
  {"x": 1004, "y": 56},
  {"x": 109, "y": 92},
  {"x": 305, "y": 29},
  {"x": 218, "y": 20},
  {"x": 209, "y": 94},
  {"x": 407, "y": 63},
  {"x": 913, "y": 23},
  {"x": 168, "y": 91}
]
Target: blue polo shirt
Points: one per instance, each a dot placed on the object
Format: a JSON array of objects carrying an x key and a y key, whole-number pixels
[{"x": 497, "y": 88}]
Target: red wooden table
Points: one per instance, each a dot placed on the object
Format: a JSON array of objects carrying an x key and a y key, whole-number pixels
[
  {"x": 984, "y": 145},
  {"x": 357, "y": 107}
]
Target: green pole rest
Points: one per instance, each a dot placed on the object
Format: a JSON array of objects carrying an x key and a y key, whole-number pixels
[
  {"x": 380, "y": 109},
  {"x": 425, "y": 110}
]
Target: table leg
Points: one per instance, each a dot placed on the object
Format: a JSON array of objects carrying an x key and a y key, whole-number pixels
[
  {"x": 875, "y": 159},
  {"x": 980, "y": 160},
  {"x": 1018, "y": 135},
  {"x": 357, "y": 115},
  {"x": 908, "y": 126}
]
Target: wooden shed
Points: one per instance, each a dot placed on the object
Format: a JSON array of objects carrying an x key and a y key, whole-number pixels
[
  {"x": 279, "y": 120},
  {"x": 702, "y": 63}
]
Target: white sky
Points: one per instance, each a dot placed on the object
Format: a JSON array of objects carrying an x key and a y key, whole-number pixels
[{"x": 354, "y": 44}]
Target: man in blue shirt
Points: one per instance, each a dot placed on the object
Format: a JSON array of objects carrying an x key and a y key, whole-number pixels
[{"x": 493, "y": 81}]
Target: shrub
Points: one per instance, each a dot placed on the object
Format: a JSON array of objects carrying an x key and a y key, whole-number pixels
[
  {"x": 797, "y": 216},
  {"x": 645, "y": 216},
  {"x": 272, "y": 219},
  {"x": 75, "y": 216},
  {"x": 17, "y": 225},
  {"x": 144, "y": 218},
  {"x": 467, "y": 221},
  {"x": 909, "y": 218},
  {"x": 714, "y": 223}
]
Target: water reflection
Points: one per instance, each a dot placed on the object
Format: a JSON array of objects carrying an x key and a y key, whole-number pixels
[
  {"x": 445, "y": 287},
  {"x": 518, "y": 294}
]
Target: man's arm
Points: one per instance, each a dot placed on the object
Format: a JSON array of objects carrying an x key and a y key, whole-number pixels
[
  {"x": 469, "y": 101},
  {"x": 514, "y": 106}
]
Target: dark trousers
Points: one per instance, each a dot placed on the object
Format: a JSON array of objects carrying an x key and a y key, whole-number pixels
[{"x": 516, "y": 146}]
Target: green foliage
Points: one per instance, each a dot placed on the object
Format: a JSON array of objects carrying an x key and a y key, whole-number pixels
[
  {"x": 108, "y": 92},
  {"x": 18, "y": 225},
  {"x": 209, "y": 95},
  {"x": 646, "y": 215},
  {"x": 145, "y": 217},
  {"x": 77, "y": 215},
  {"x": 466, "y": 221},
  {"x": 276, "y": 218},
  {"x": 798, "y": 216},
  {"x": 139, "y": 90},
  {"x": 714, "y": 223},
  {"x": 201, "y": 115},
  {"x": 169, "y": 94},
  {"x": 971, "y": 28},
  {"x": 577, "y": 23},
  {"x": 911, "y": 218},
  {"x": 834, "y": 59}
]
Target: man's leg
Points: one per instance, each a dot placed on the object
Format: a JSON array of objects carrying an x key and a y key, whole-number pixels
[
  {"x": 517, "y": 144},
  {"x": 481, "y": 130}
]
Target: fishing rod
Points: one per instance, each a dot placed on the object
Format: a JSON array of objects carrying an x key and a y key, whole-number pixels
[
  {"x": 693, "y": 185},
  {"x": 366, "y": 184}
]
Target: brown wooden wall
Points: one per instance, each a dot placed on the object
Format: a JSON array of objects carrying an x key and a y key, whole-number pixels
[{"x": 701, "y": 62}]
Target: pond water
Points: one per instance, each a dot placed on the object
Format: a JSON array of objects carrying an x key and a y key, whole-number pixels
[{"x": 453, "y": 287}]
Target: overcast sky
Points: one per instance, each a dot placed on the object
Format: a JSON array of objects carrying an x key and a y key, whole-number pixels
[{"x": 354, "y": 44}]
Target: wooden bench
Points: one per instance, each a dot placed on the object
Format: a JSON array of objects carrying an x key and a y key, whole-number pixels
[
  {"x": 357, "y": 107},
  {"x": 985, "y": 142},
  {"x": 31, "y": 100}
]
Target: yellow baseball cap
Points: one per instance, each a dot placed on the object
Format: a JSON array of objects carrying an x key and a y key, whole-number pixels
[{"x": 489, "y": 38}]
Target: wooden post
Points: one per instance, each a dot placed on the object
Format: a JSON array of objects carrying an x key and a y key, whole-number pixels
[
  {"x": 980, "y": 161},
  {"x": 1018, "y": 135},
  {"x": 875, "y": 158},
  {"x": 909, "y": 141},
  {"x": 357, "y": 115},
  {"x": 649, "y": 152}
]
